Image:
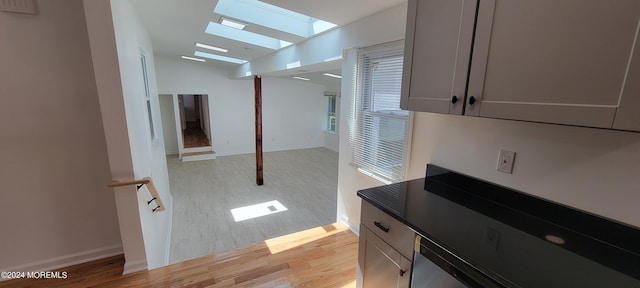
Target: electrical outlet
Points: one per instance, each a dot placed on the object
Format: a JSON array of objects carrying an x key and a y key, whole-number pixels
[{"x": 505, "y": 161}]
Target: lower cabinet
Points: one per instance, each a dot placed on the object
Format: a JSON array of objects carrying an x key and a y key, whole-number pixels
[{"x": 379, "y": 265}]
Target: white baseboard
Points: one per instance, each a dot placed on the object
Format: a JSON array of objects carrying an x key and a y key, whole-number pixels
[
  {"x": 354, "y": 230},
  {"x": 198, "y": 157},
  {"x": 131, "y": 267},
  {"x": 67, "y": 260}
]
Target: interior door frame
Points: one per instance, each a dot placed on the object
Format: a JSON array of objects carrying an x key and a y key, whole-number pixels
[{"x": 178, "y": 119}]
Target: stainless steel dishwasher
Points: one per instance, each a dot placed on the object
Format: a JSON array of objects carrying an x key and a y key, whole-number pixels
[{"x": 435, "y": 267}]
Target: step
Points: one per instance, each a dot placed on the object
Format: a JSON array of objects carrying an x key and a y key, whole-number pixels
[
  {"x": 196, "y": 156},
  {"x": 197, "y": 149}
]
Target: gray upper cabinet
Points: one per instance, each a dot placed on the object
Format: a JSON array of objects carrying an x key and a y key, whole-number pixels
[
  {"x": 437, "y": 51},
  {"x": 564, "y": 62}
]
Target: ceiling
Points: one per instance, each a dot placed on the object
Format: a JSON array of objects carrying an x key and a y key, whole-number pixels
[{"x": 175, "y": 26}]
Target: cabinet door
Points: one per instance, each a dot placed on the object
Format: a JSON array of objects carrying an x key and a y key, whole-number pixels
[
  {"x": 551, "y": 61},
  {"x": 437, "y": 50},
  {"x": 379, "y": 265}
]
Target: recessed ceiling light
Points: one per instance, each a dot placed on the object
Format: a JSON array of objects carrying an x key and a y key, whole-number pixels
[
  {"x": 301, "y": 78},
  {"x": 193, "y": 59},
  {"x": 332, "y": 75},
  {"x": 232, "y": 23},
  {"x": 214, "y": 48}
]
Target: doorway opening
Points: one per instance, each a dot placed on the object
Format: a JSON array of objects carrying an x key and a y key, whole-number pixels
[
  {"x": 194, "y": 127},
  {"x": 194, "y": 117}
]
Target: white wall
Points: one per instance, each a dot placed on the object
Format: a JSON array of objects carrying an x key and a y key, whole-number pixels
[
  {"x": 332, "y": 141},
  {"x": 293, "y": 114},
  {"x": 117, "y": 39},
  {"x": 293, "y": 111},
  {"x": 590, "y": 169},
  {"x": 54, "y": 200},
  {"x": 148, "y": 156},
  {"x": 168, "y": 124}
]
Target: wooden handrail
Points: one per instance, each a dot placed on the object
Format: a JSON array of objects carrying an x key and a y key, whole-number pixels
[{"x": 144, "y": 181}]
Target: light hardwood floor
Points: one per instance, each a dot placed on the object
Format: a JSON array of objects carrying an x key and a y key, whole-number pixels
[
  {"x": 204, "y": 192},
  {"x": 193, "y": 136},
  {"x": 320, "y": 257}
]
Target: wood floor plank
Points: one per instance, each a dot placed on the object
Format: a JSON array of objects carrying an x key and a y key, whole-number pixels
[{"x": 320, "y": 257}]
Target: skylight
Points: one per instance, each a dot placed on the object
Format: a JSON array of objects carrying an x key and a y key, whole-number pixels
[
  {"x": 218, "y": 57},
  {"x": 232, "y": 24},
  {"x": 274, "y": 17},
  {"x": 245, "y": 36},
  {"x": 294, "y": 64}
]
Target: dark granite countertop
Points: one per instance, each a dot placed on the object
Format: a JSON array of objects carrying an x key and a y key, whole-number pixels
[{"x": 540, "y": 243}]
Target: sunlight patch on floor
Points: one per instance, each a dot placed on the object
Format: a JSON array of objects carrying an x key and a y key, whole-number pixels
[
  {"x": 257, "y": 210},
  {"x": 283, "y": 243},
  {"x": 351, "y": 284}
]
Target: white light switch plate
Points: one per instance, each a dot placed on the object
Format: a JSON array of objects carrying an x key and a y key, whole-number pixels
[{"x": 505, "y": 161}]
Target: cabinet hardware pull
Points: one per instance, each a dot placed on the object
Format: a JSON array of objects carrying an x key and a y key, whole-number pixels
[
  {"x": 385, "y": 229},
  {"x": 402, "y": 272},
  {"x": 472, "y": 100},
  {"x": 454, "y": 99}
]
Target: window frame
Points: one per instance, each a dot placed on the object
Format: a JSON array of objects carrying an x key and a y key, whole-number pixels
[
  {"x": 361, "y": 112},
  {"x": 331, "y": 113},
  {"x": 148, "y": 99}
]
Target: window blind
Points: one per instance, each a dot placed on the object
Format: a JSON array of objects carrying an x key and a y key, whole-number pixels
[{"x": 379, "y": 136}]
